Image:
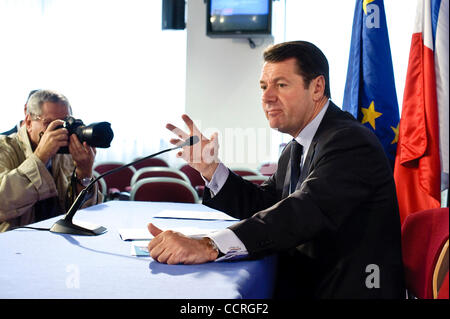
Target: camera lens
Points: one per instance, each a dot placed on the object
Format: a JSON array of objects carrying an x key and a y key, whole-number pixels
[{"x": 96, "y": 134}]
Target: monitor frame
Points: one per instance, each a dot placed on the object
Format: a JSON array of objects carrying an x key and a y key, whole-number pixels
[{"x": 262, "y": 33}]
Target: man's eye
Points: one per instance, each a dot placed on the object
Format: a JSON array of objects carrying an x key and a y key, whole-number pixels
[{"x": 282, "y": 85}]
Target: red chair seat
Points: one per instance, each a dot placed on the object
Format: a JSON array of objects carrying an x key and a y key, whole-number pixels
[
  {"x": 443, "y": 291},
  {"x": 163, "y": 189},
  {"x": 423, "y": 237},
  {"x": 151, "y": 162}
]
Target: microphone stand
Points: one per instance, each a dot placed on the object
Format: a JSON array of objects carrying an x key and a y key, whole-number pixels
[{"x": 66, "y": 225}]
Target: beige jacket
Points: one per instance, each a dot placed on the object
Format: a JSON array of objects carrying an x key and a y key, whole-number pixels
[{"x": 24, "y": 180}]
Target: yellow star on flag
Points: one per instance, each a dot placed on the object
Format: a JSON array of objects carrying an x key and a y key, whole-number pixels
[
  {"x": 395, "y": 129},
  {"x": 365, "y": 3},
  {"x": 369, "y": 114}
]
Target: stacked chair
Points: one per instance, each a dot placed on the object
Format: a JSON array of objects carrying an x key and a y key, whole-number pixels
[
  {"x": 162, "y": 184},
  {"x": 117, "y": 184},
  {"x": 154, "y": 180}
]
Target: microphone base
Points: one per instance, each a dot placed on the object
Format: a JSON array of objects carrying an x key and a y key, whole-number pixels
[{"x": 63, "y": 226}]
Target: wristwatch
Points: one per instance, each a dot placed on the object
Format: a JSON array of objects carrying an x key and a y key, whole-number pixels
[
  {"x": 215, "y": 247},
  {"x": 83, "y": 181}
]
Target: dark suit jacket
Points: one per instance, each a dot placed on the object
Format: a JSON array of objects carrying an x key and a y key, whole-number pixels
[
  {"x": 13, "y": 130},
  {"x": 338, "y": 235}
]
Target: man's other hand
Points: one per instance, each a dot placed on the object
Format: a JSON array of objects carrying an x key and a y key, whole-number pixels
[{"x": 172, "y": 248}]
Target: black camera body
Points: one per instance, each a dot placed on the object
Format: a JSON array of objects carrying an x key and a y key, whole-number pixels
[{"x": 97, "y": 134}]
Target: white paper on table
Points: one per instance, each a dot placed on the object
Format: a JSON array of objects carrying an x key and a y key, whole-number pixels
[
  {"x": 192, "y": 214},
  {"x": 144, "y": 234},
  {"x": 139, "y": 248}
]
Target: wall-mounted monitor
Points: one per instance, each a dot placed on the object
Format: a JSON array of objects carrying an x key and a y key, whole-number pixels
[{"x": 238, "y": 18}]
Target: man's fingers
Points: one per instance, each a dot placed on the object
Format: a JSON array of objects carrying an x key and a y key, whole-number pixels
[
  {"x": 155, "y": 231},
  {"x": 55, "y": 124},
  {"x": 75, "y": 144},
  {"x": 214, "y": 136},
  {"x": 173, "y": 260},
  {"x": 190, "y": 124},
  {"x": 180, "y": 133},
  {"x": 164, "y": 256},
  {"x": 175, "y": 141},
  {"x": 156, "y": 251}
]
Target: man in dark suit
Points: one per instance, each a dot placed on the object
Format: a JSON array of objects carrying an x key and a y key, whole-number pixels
[{"x": 330, "y": 211}]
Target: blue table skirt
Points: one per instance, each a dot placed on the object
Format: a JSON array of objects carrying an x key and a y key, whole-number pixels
[{"x": 41, "y": 264}]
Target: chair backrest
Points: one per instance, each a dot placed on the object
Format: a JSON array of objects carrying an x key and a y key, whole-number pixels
[
  {"x": 101, "y": 185},
  {"x": 424, "y": 235},
  {"x": 158, "y": 172},
  {"x": 244, "y": 171},
  {"x": 256, "y": 179},
  {"x": 268, "y": 169},
  {"x": 119, "y": 180},
  {"x": 193, "y": 175},
  {"x": 443, "y": 292},
  {"x": 163, "y": 189},
  {"x": 150, "y": 162},
  {"x": 441, "y": 271}
]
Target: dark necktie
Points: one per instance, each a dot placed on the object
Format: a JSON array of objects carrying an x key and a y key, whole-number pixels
[{"x": 296, "y": 155}]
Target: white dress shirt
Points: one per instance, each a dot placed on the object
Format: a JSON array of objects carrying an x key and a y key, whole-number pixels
[{"x": 227, "y": 242}]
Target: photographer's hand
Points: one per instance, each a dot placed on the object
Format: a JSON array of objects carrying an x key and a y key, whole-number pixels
[
  {"x": 202, "y": 156},
  {"x": 51, "y": 140},
  {"x": 83, "y": 155}
]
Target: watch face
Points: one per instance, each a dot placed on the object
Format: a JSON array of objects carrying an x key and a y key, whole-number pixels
[{"x": 85, "y": 181}]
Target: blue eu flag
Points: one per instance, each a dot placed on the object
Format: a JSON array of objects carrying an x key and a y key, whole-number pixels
[{"x": 370, "y": 87}]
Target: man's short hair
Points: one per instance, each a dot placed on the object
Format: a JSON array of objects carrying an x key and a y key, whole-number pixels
[
  {"x": 30, "y": 94},
  {"x": 310, "y": 59},
  {"x": 38, "y": 98}
]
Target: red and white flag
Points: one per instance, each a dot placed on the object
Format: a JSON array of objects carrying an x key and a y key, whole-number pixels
[{"x": 422, "y": 151}]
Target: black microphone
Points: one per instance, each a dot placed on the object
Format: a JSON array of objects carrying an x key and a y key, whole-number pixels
[{"x": 66, "y": 226}]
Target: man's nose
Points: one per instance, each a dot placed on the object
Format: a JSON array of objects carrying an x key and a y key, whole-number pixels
[{"x": 269, "y": 95}]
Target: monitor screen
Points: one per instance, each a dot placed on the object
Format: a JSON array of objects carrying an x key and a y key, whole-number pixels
[{"x": 238, "y": 18}]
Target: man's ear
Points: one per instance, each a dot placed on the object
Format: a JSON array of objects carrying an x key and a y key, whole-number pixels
[
  {"x": 28, "y": 121},
  {"x": 318, "y": 87}
]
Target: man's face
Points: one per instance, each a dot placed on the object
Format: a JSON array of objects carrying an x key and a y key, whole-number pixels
[
  {"x": 286, "y": 103},
  {"x": 50, "y": 112}
]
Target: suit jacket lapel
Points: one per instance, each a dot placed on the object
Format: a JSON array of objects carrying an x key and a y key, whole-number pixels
[
  {"x": 307, "y": 163},
  {"x": 303, "y": 173},
  {"x": 332, "y": 108},
  {"x": 287, "y": 177}
]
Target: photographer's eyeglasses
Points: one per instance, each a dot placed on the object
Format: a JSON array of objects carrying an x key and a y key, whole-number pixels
[{"x": 45, "y": 122}]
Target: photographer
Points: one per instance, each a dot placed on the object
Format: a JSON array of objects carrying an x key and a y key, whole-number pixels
[{"x": 36, "y": 182}]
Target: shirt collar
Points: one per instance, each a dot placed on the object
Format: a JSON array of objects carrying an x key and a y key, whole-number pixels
[
  {"x": 307, "y": 134},
  {"x": 24, "y": 139}
]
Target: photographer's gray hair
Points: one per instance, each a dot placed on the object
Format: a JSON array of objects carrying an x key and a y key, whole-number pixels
[{"x": 37, "y": 99}]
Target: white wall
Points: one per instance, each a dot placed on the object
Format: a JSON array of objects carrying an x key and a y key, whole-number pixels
[
  {"x": 223, "y": 93},
  {"x": 222, "y": 89},
  {"x": 113, "y": 64}
]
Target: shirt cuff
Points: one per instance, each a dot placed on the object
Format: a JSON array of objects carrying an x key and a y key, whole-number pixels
[
  {"x": 218, "y": 179},
  {"x": 228, "y": 244}
]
